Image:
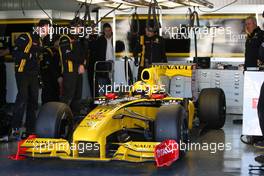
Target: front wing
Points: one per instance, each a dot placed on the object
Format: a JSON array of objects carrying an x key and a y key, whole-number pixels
[{"x": 61, "y": 148}]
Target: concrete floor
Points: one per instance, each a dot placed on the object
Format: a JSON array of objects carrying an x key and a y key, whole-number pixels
[{"x": 233, "y": 162}]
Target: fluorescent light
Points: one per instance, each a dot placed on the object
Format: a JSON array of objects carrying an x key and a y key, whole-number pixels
[
  {"x": 127, "y": 3},
  {"x": 203, "y": 3},
  {"x": 95, "y": 1},
  {"x": 170, "y": 4},
  {"x": 114, "y": 5},
  {"x": 145, "y": 3}
]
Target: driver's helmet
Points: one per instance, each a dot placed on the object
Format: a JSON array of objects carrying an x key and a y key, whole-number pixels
[{"x": 140, "y": 88}]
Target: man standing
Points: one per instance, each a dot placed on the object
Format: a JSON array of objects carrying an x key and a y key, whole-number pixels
[
  {"x": 104, "y": 51},
  {"x": 153, "y": 49},
  {"x": 104, "y": 45},
  {"x": 50, "y": 72},
  {"x": 27, "y": 51},
  {"x": 72, "y": 56},
  {"x": 260, "y": 109},
  {"x": 3, "y": 52},
  {"x": 255, "y": 37},
  {"x": 254, "y": 49},
  {"x": 260, "y": 144}
]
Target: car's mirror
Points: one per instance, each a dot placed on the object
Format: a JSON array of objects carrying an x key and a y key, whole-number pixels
[{"x": 118, "y": 116}]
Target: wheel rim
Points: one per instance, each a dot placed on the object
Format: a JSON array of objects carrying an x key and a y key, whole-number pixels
[
  {"x": 65, "y": 127},
  {"x": 184, "y": 132},
  {"x": 222, "y": 112}
]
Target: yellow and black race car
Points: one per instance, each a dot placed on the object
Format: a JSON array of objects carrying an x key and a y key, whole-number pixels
[{"x": 126, "y": 127}]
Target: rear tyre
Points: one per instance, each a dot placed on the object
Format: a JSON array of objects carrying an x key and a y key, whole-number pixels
[
  {"x": 55, "y": 120},
  {"x": 212, "y": 108}
]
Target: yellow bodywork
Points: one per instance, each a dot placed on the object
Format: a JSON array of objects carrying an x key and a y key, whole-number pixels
[
  {"x": 93, "y": 132},
  {"x": 156, "y": 71}
]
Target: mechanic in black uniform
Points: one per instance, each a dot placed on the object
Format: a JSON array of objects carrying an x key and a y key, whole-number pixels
[
  {"x": 103, "y": 51},
  {"x": 260, "y": 108},
  {"x": 254, "y": 53},
  {"x": 72, "y": 57},
  {"x": 50, "y": 72},
  {"x": 260, "y": 144},
  {"x": 255, "y": 37},
  {"x": 26, "y": 54},
  {"x": 4, "y": 50},
  {"x": 154, "y": 49}
]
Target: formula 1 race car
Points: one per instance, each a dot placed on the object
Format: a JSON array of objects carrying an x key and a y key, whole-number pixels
[{"x": 126, "y": 127}]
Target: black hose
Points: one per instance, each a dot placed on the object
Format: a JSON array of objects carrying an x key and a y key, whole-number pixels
[
  {"x": 153, "y": 6},
  {"x": 22, "y": 8}
]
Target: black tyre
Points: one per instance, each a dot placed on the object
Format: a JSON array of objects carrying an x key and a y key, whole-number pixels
[
  {"x": 55, "y": 120},
  {"x": 171, "y": 123},
  {"x": 212, "y": 108}
]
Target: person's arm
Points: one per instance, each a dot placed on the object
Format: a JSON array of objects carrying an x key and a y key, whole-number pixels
[
  {"x": 260, "y": 60},
  {"x": 163, "y": 51},
  {"x": 81, "y": 56},
  {"x": 22, "y": 48},
  {"x": 261, "y": 50},
  {"x": 58, "y": 71}
]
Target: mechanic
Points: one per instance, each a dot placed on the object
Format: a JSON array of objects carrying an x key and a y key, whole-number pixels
[
  {"x": 260, "y": 144},
  {"x": 103, "y": 51},
  {"x": 255, "y": 36},
  {"x": 4, "y": 50},
  {"x": 260, "y": 107},
  {"x": 49, "y": 65},
  {"x": 154, "y": 49},
  {"x": 26, "y": 54},
  {"x": 72, "y": 57}
]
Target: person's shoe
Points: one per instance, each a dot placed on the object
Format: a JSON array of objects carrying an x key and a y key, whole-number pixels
[
  {"x": 4, "y": 138},
  {"x": 259, "y": 144},
  {"x": 260, "y": 159},
  {"x": 15, "y": 135}
]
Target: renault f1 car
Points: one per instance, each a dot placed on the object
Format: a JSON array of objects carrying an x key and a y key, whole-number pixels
[{"x": 126, "y": 127}]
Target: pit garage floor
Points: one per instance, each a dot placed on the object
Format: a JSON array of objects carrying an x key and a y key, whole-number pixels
[{"x": 202, "y": 163}]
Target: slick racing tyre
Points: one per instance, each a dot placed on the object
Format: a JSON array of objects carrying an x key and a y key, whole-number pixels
[
  {"x": 55, "y": 120},
  {"x": 212, "y": 108}
]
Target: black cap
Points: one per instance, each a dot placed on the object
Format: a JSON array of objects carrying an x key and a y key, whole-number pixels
[
  {"x": 152, "y": 27},
  {"x": 43, "y": 22},
  {"x": 76, "y": 22}
]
